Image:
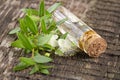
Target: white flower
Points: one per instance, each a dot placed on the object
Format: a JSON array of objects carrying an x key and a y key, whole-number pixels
[
  {"x": 64, "y": 45},
  {"x": 53, "y": 41}
]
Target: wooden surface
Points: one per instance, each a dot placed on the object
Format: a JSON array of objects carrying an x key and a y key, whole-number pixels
[{"x": 102, "y": 15}]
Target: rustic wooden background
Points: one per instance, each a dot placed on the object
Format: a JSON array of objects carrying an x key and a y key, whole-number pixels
[{"x": 102, "y": 15}]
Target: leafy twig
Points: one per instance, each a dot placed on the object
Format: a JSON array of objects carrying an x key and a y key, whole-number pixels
[{"x": 36, "y": 33}]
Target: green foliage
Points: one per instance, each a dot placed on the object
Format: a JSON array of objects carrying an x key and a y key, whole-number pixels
[
  {"x": 41, "y": 59},
  {"x": 17, "y": 29},
  {"x": 35, "y": 18},
  {"x": 34, "y": 32},
  {"x": 52, "y": 26},
  {"x": 31, "y": 25},
  {"x": 21, "y": 66},
  {"x": 41, "y": 8},
  {"x": 28, "y": 61},
  {"x": 44, "y": 66},
  {"x": 59, "y": 52},
  {"x": 64, "y": 36},
  {"x": 43, "y": 26},
  {"x": 53, "y": 7},
  {"x": 30, "y": 11},
  {"x": 48, "y": 47},
  {"x": 17, "y": 44},
  {"x": 23, "y": 26},
  {"x": 45, "y": 17},
  {"x": 34, "y": 69},
  {"x": 44, "y": 71},
  {"x": 43, "y": 39},
  {"x": 26, "y": 41}
]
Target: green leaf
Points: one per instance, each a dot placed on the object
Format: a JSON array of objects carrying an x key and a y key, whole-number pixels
[
  {"x": 44, "y": 71},
  {"x": 20, "y": 66},
  {"x": 52, "y": 26},
  {"x": 47, "y": 46},
  {"x": 17, "y": 44},
  {"x": 31, "y": 25},
  {"x": 42, "y": 66},
  {"x": 43, "y": 26},
  {"x": 23, "y": 26},
  {"x": 53, "y": 7},
  {"x": 27, "y": 43},
  {"x": 27, "y": 51},
  {"x": 35, "y": 18},
  {"x": 47, "y": 13},
  {"x": 34, "y": 69},
  {"x": 61, "y": 21},
  {"x": 45, "y": 17},
  {"x": 17, "y": 29},
  {"x": 30, "y": 11},
  {"x": 28, "y": 61},
  {"x": 41, "y": 8},
  {"x": 59, "y": 52},
  {"x": 42, "y": 59},
  {"x": 64, "y": 35},
  {"x": 43, "y": 39}
]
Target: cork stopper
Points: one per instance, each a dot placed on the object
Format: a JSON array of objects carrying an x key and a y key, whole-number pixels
[{"x": 92, "y": 43}]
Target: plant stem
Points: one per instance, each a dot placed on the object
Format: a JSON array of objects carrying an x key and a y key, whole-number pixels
[{"x": 33, "y": 52}]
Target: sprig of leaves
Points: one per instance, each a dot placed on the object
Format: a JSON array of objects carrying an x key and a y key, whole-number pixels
[{"x": 35, "y": 30}]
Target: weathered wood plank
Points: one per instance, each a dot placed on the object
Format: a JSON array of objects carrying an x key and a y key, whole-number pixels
[{"x": 102, "y": 15}]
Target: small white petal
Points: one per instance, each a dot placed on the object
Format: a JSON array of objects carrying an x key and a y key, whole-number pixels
[
  {"x": 64, "y": 45},
  {"x": 53, "y": 41}
]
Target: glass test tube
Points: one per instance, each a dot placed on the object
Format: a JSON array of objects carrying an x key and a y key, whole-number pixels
[{"x": 80, "y": 33}]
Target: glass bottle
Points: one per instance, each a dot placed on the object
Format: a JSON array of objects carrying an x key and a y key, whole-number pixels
[{"x": 80, "y": 33}]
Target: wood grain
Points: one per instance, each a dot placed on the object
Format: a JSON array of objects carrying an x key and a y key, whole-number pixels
[{"x": 102, "y": 15}]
